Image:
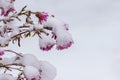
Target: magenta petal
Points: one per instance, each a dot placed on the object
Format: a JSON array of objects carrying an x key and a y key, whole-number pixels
[
  {"x": 65, "y": 46},
  {"x": 1, "y": 53},
  {"x": 47, "y": 48},
  {"x": 8, "y": 11},
  {"x": 42, "y": 17}
]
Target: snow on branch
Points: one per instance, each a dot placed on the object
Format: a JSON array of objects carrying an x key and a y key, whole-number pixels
[{"x": 50, "y": 31}]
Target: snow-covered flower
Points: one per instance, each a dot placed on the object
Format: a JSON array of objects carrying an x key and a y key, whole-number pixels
[
  {"x": 34, "y": 69},
  {"x": 6, "y": 7},
  {"x": 31, "y": 73},
  {"x": 43, "y": 71},
  {"x": 60, "y": 33},
  {"x": 48, "y": 71},
  {"x": 63, "y": 40},
  {"x": 53, "y": 22},
  {"x": 42, "y": 16},
  {"x": 46, "y": 42}
]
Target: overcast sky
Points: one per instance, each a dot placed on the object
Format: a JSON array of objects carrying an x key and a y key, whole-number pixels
[{"x": 95, "y": 27}]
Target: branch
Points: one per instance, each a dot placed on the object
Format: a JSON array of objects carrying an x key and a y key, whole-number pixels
[{"x": 13, "y": 52}]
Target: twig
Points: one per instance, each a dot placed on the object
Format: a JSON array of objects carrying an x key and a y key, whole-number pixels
[{"x": 13, "y": 52}]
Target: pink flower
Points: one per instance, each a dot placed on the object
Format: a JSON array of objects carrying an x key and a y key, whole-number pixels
[
  {"x": 47, "y": 48},
  {"x": 6, "y": 7},
  {"x": 42, "y": 16},
  {"x": 64, "y": 46},
  {"x": 47, "y": 70},
  {"x": 59, "y": 33},
  {"x": 31, "y": 73},
  {"x": 1, "y": 52},
  {"x": 46, "y": 42},
  {"x": 63, "y": 40}
]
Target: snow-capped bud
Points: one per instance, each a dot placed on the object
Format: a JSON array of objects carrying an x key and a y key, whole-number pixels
[
  {"x": 42, "y": 16},
  {"x": 31, "y": 73},
  {"x": 60, "y": 33},
  {"x": 52, "y": 22},
  {"x": 46, "y": 42},
  {"x": 63, "y": 40},
  {"x": 48, "y": 71},
  {"x": 6, "y": 7}
]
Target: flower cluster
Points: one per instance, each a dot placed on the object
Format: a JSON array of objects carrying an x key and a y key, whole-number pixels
[
  {"x": 59, "y": 35},
  {"x": 50, "y": 31},
  {"x": 28, "y": 66}
]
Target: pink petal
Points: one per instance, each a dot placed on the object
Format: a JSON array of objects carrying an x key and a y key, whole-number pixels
[
  {"x": 8, "y": 11},
  {"x": 65, "y": 46}
]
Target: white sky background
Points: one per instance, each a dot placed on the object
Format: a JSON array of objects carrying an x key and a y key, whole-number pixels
[{"x": 95, "y": 27}]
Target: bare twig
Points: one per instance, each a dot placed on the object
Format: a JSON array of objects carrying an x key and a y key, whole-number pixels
[{"x": 13, "y": 52}]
